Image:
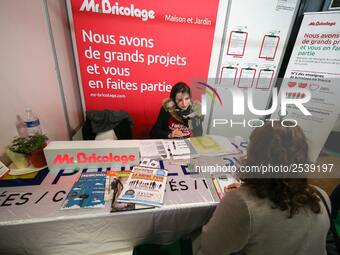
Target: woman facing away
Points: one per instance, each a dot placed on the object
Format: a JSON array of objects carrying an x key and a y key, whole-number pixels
[
  {"x": 269, "y": 216},
  {"x": 179, "y": 117}
]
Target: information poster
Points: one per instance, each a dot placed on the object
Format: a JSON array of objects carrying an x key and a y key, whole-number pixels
[
  {"x": 129, "y": 54},
  {"x": 315, "y": 66},
  {"x": 255, "y": 37}
]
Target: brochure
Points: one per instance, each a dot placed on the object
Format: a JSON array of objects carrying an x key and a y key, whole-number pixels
[
  {"x": 145, "y": 186},
  {"x": 177, "y": 147},
  {"x": 115, "y": 182},
  {"x": 87, "y": 192},
  {"x": 153, "y": 149}
]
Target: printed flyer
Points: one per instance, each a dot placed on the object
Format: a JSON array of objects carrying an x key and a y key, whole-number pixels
[
  {"x": 145, "y": 186},
  {"x": 115, "y": 181},
  {"x": 87, "y": 192}
]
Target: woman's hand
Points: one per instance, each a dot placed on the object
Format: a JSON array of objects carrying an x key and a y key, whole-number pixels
[
  {"x": 176, "y": 134},
  {"x": 232, "y": 186}
]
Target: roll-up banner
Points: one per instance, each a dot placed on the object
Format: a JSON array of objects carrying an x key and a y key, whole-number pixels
[
  {"x": 129, "y": 54},
  {"x": 315, "y": 66}
]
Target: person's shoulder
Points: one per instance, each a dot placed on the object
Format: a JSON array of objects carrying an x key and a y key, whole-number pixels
[
  {"x": 163, "y": 112},
  {"x": 242, "y": 193},
  {"x": 237, "y": 197},
  {"x": 234, "y": 203},
  {"x": 320, "y": 190},
  {"x": 197, "y": 108},
  {"x": 244, "y": 197},
  {"x": 168, "y": 105},
  {"x": 322, "y": 193}
]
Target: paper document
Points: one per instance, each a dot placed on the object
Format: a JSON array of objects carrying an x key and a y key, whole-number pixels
[
  {"x": 176, "y": 147},
  {"x": 208, "y": 145},
  {"x": 153, "y": 149}
]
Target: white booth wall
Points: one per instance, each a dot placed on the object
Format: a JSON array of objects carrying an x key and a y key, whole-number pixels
[{"x": 35, "y": 71}]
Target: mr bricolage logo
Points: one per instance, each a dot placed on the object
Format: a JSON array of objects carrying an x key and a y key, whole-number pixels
[
  {"x": 82, "y": 157},
  {"x": 295, "y": 94},
  {"x": 105, "y": 7},
  {"x": 322, "y": 23}
]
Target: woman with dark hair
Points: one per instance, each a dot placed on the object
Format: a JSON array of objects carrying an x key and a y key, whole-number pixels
[
  {"x": 269, "y": 216},
  {"x": 179, "y": 117}
]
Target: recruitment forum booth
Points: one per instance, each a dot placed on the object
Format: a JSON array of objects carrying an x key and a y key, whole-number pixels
[{"x": 82, "y": 85}]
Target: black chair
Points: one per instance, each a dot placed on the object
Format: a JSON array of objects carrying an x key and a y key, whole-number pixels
[{"x": 123, "y": 130}]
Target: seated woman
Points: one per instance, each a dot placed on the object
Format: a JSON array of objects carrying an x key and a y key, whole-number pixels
[
  {"x": 179, "y": 117},
  {"x": 269, "y": 216}
]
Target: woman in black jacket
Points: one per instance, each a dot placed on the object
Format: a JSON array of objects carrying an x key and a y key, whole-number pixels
[{"x": 179, "y": 117}]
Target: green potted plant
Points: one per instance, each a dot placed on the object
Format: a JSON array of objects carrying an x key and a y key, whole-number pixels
[
  {"x": 31, "y": 147},
  {"x": 17, "y": 152},
  {"x": 37, "y": 144}
]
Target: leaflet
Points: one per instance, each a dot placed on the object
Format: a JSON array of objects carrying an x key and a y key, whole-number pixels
[
  {"x": 153, "y": 149},
  {"x": 115, "y": 182},
  {"x": 87, "y": 192},
  {"x": 145, "y": 186},
  {"x": 177, "y": 147}
]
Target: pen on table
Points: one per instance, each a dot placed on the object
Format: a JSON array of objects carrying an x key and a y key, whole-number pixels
[
  {"x": 217, "y": 187},
  {"x": 173, "y": 142},
  {"x": 221, "y": 188},
  {"x": 169, "y": 151}
]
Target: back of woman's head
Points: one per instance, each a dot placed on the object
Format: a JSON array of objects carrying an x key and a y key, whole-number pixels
[
  {"x": 273, "y": 144},
  {"x": 277, "y": 145}
]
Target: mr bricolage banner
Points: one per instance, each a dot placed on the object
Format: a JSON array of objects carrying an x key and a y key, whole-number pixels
[
  {"x": 130, "y": 53},
  {"x": 315, "y": 66}
]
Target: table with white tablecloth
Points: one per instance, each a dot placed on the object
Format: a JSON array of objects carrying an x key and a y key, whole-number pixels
[{"x": 32, "y": 222}]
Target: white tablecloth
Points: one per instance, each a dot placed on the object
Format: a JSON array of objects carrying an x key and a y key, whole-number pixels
[
  {"x": 31, "y": 221},
  {"x": 40, "y": 227}
]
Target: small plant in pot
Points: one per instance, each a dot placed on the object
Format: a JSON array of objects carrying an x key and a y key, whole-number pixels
[
  {"x": 32, "y": 147},
  {"x": 18, "y": 152},
  {"x": 37, "y": 145}
]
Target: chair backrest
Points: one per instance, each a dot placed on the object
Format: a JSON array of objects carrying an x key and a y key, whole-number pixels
[{"x": 122, "y": 131}]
